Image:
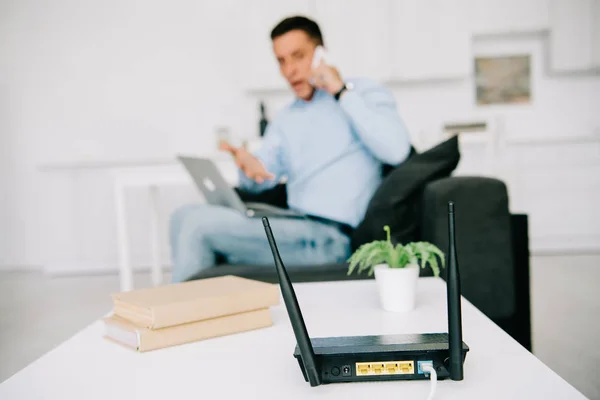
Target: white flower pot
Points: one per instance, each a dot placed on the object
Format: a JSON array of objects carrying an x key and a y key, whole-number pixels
[{"x": 397, "y": 287}]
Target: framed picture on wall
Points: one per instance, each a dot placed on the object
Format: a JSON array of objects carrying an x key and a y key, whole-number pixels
[{"x": 503, "y": 80}]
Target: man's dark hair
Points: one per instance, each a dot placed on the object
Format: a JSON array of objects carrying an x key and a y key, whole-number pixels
[{"x": 298, "y": 23}]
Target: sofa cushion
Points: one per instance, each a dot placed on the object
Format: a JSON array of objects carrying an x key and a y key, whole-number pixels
[
  {"x": 300, "y": 273},
  {"x": 397, "y": 200}
]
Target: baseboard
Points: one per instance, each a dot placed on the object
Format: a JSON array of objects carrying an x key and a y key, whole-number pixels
[
  {"x": 564, "y": 245},
  {"x": 566, "y": 252},
  {"x": 20, "y": 268},
  {"x": 90, "y": 269}
]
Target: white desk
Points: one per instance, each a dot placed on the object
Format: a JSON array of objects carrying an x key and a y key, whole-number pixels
[
  {"x": 152, "y": 178},
  {"x": 260, "y": 365},
  {"x": 151, "y": 175}
]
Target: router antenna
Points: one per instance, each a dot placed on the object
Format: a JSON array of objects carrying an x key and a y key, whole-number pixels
[
  {"x": 454, "y": 309},
  {"x": 293, "y": 309}
]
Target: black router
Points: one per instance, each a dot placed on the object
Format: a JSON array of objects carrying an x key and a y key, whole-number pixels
[{"x": 378, "y": 357}]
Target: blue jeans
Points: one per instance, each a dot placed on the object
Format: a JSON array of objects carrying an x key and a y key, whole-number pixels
[{"x": 198, "y": 232}]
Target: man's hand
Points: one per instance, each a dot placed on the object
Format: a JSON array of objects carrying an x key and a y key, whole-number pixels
[
  {"x": 250, "y": 165},
  {"x": 327, "y": 77}
]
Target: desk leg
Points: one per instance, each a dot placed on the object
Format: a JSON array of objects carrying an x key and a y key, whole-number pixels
[
  {"x": 156, "y": 234},
  {"x": 125, "y": 267}
]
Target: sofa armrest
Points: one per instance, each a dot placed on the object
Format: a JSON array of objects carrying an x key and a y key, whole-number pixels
[
  {"x": 483, "y": 238},
  {"x": 519, "y": 326},
  {"x": 492, "y": 248}
]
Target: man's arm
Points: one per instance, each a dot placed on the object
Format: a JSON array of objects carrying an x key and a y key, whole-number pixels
[
  {"x": 372, "y": 110},
  {"x": 270, "y": 156}
]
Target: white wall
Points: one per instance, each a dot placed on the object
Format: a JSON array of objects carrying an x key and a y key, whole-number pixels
[
  {"x": 6, "y": 200},
  {"x": 119, "y": 79},
  {"x": 104, "y": 80},
  {"x": 561, "y": 105},
  {"x": 549, "y": 160},
  {"x": 132, "y": 80},
  {"x": 14, "y": 237}
]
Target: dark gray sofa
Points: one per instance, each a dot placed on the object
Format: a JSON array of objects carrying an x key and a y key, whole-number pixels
[{"x": 492, "y": 248}]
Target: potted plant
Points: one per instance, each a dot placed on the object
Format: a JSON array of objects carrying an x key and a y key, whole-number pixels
[{"x": 396, "y": 268}]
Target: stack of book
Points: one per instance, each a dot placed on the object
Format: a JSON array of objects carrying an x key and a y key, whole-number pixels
[{"x": 170, "y": 315}]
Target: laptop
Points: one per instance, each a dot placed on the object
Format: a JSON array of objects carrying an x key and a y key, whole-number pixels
[{"x": 217, "y": 190}]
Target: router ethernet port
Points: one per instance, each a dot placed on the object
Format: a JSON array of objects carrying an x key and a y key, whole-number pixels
[
  {"x": 363, "y": 369},
  {"x": 378, "y": 368},
  {"x": 407, "y": 367},
  {"x": 385, "y": 368},
  {"x": 391, "y": 368}
]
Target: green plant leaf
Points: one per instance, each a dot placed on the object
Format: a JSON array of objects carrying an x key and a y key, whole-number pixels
[
  {"x": 369, "y": 255},
  {"x": 425, "y": 252},
  {"x": 399, "y": 256},
  {"x": 437, "y": 251},
  {"x": 422, "y": 250},
  {"x": 411, "y": 253},
  {"x": 434, "y": 266},
  {"x": 388, "y": 233}
]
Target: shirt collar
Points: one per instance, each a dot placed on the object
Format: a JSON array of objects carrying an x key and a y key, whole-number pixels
[{"x": 318, "y": 95}]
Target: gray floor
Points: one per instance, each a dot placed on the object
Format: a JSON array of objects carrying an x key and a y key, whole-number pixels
[{"x": 38, "y": 313}]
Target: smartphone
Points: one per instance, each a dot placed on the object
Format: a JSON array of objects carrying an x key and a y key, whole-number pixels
[{"x": 318, "y": 56}]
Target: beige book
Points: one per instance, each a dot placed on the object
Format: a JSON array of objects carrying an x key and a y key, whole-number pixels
[
  {"x": 142, "y": 339},
  {"x": 181, "y": 303}
]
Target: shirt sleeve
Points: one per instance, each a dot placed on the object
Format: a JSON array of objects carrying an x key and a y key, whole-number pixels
[
  {"x": 270, "y": 154},
  {"x": 372, "y": 110}
]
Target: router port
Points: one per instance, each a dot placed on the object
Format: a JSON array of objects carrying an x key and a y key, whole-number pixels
[
  {"x": 385, "y": 368},
  {"x": 407, "y": 367},
  {"x": 363, "y": 369},
  {"x": 421, "y": 364},
  {"x": 346, "y": 371},
  {"x": 378, "y": 368},
  {"x": 391, "y": 368}
]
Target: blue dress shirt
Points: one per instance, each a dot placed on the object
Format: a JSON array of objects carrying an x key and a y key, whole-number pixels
[{"x": 331, "y": 152}]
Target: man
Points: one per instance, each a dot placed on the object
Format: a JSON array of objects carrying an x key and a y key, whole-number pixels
[{"x": 330, "y": 143}]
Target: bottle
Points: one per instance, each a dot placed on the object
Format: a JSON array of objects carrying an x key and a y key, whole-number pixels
[{"x": 263, "y": 120}]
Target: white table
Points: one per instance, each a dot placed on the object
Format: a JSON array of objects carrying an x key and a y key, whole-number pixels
[
  {"x": 259, "y": 364},
  {"x": 152, "y": 178},
  {"x": 152, "y": 175}
]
